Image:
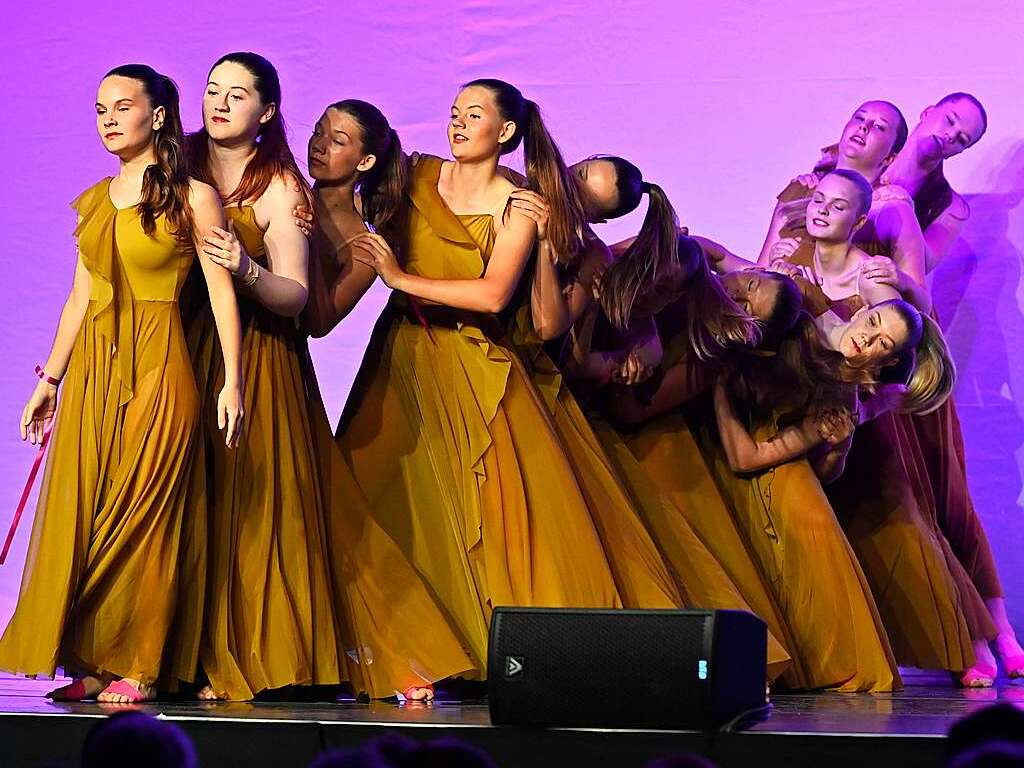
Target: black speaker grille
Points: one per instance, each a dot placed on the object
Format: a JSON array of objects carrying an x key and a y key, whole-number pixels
[{"x": 599, "y": 668}]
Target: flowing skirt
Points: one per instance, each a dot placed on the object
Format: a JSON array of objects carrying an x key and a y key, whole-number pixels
[
  {"x": 101, "y": 584},
  {"x": 460, "y": 463}
]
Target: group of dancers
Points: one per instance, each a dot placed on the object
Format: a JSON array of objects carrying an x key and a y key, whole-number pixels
[{"x": 540, "y": 418}]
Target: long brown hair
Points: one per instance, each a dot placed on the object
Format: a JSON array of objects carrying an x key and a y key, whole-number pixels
[
  {"x": 805, "y": 373},
  {"x": 382, "y": 189},
  {"x": 653, "y": 255},
  {"x": 800, "y": 374},
  {"x": 714, "y": 322},
  {"x": 545, "y": 169},
  {"x": 165, "y": 184},
  {"x": 273, "y": 158}
]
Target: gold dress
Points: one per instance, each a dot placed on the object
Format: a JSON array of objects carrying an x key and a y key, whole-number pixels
[
  {"x": 455, "y": 450},
  {"x": 269, "y": 616},
  {"x": 101, "y": 582},
  {"x": 891, "y": 514},
  {"x": 832, "y": 627},
  {"x": 680, "y": 504},
  {"x": 288, "y": 601},
  {"x": 643, "y": 577}
]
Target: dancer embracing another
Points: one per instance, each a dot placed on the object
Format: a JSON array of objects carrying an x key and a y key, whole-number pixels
[
  {"x": 444, "y": 429},
  {"x": 269, "y": 616}
]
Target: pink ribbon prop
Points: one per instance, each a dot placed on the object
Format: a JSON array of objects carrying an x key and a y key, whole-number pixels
[{"x": 27, "y": 492}]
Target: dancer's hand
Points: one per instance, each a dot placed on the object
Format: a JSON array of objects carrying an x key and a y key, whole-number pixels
[
  {"x": 807, "y": 179},
  {"x": 535, "y": 206},
  {"x": 880, "y": 270},
  {"x": 886, "y": 192},
  {"x": 230, "y": 413},
  {"x": 790, "y": 215},
  {"x": 633, "y": 370},
  {"x": 834, "y": 425},
  {"x": 225, "y": 249},
  {"x": 304, "y": 219},
  {"x": 782, "y": 251},
  {"x": 373, "y": 250},
  {"x": 38, "y": 412}
]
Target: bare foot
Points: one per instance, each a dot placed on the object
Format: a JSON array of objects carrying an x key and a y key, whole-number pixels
[
  {"x": 78, "y": 689},
  {"x": 1011, "y": 654},
  {"x": 206, "y": 693},
  {"x": 983, "y": 673},
  {"x": 422, "y": 695},
  {"x": 127, "y": 690}
]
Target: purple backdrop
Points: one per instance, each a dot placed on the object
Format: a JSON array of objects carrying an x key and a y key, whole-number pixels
[{"x": 720, "y": 102}]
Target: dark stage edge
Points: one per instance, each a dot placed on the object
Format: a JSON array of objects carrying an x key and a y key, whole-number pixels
[{"x": 833, "y": 729}]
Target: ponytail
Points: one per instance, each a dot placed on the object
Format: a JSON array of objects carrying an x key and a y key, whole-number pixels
[
  {"x": 165, "y": 184},
  {"x": 382, "y": 189},
  {"x": 639, "y": 269},
  {"x": 546, "y": 172},
  {"x": 714, "y": 322},
  {"x": 934, "y": 372}
]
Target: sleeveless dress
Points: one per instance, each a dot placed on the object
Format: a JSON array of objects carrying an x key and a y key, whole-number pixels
[
  {"x": 454, "y": 448},
  {"x": 680, "y": 504},
  {"x": 928, "y": 606},
  {"x": 269, "y": 617},
  {"x": 100, "y": 588},
  {"x": 285, "y": 601},
  {"x": 829, "y": 622}
]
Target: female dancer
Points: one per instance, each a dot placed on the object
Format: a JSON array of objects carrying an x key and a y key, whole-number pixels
[
  {"x": 895, "y": 536},
  {"x": 355, "y": 158},
  {"x": 269, "y": 618},
  {"x": 443, "y": 402},
  {"x": 828, "y": 649},
  {"x": 868, "y": 144},
  {"x": 954, "y": 123},
  {"x": 561, "y": 290},
  {"x": 101, "y": 586}
]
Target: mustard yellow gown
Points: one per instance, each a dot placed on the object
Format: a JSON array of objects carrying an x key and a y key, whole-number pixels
[
  {"x": 269, "y": 614},
  {"x": 833, "y": 629},
  {"x": 101, "y": 583},
  {"x": 288, "y": 601},
  {"x": 642, "y": 575},
  {"x": 931, "y": 609},
  {"x": 680, "y": 504},
  {"x": 455, "y": 450}
]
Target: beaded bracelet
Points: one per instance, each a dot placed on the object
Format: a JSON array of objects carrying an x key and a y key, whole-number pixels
[{"x": 46, "y": 377}]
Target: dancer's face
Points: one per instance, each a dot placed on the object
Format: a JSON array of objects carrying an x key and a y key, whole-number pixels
[
  {"x": 232, "y": 109},
  {"x": 948, "y": 129},
  {"x": 336, "y": 152},
  {"x": 125, "y": 119},
  {"x": 870, "y": 133},
  {"x": 597, "y": 181},
  {"x": 833, "y": 213},
  {"x": 754, "y": 291},
  {"x": 476, "y": 129},
  {"x": 874, "y": 337}
]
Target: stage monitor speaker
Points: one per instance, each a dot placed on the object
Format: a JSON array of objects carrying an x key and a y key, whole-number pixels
[{"x": 663, "y": 669}]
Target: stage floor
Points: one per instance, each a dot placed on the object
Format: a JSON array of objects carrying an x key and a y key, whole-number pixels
[{"x": 845, "y": 729}]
